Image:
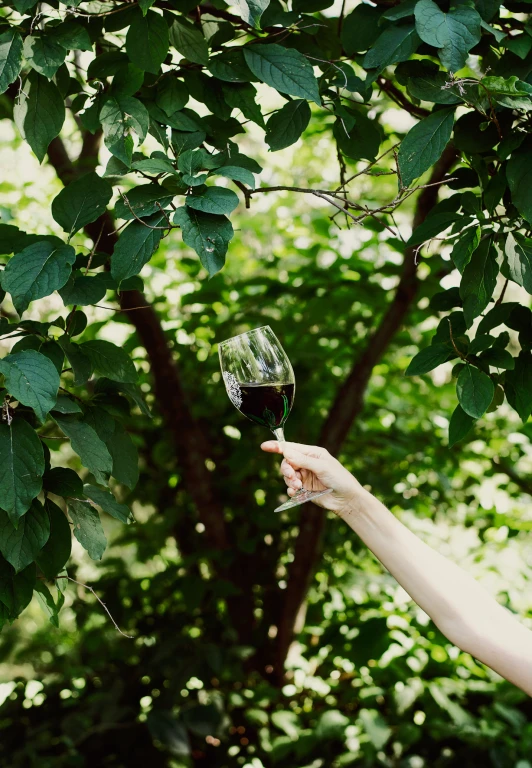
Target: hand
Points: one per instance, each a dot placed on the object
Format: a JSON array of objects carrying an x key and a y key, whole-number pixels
[{"x": 313, "y": 468}]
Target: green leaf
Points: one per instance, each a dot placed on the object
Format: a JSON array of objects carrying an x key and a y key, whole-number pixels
[
  {"x": 110, "y": 360},
  {"x": 143, "y": 200},
  {"x": 23, "y": 6},
  {"x": 65, "y": 404},
  {"x": 237, "y": 174},
  {"x": 39, "y": 113},
  {"x": 432, "y": 226},
  {"x": 49, "y": 606},
  {"x": 518, "y": 386},
  {"x": 72, "y": 36},
  {"x": 230, "y": 66},
  {"x": 10, "y": 57},
  {"x": 55, "y": 553},
  {"x": 494, "y": 190},
  {"x": 172, "y": 94},
  {"x": 479, "y": 280},
  {"x": 136, "y": 245},
  {"x": 21, "y": 467},
  {"x": 518, "y": 264},
  {"x": 119, "y": 116},
  {"x": 518, "y": 173},
  {"x": 362, "y": 140},
  {"x": 87, "y": 528},
  {"x": 190, "y": 163},
  {"x": 465, "y": 246},
  {"x": 424, "y": 144},
  {"x": 37, "y": 271},
  {"x": 82, "y": 290},
  {"x": 360, "y": 29},
  {"x": 460, "y": 425},
  {"x": 207, "y": 234},
  {"x": 498, "y": 358},
  {"x": 286, "y": 126},
  {"x": 428, "y": 359},
  {"x": 252, "y": 10},
  {"x": 475, "y": 391},
  {"x": 189, "y": 41},
  {"x": 284, "y": 69},
  {"x": 20, "y": 546},
  {"x": 44, "y": 54},
  {"x": 79, "y": 361},
  {"x": 125, "y": 457},
  {"x": 454, "y": 33},
  {"x": 32, "y": 379},
  {"x": 63, "y": 482},
  {"x": 108, "y": 503},
  {"x": 396, "y": 43},
  {"x": 213, "y": 200},
  {"x": 81, "y": 202},
  {"x": 16, "y": 589},
  {"x": 147, "y": 41},
  {"x": 431, "y": 86},
  {"x": 85, "y": 442},
  {"x": 242, "y": 96}
]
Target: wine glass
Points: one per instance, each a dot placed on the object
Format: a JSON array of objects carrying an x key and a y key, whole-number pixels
[{"x": 260, "y": 382}]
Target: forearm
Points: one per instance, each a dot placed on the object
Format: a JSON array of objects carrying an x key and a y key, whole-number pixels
[{"x": 466, "y": 614}]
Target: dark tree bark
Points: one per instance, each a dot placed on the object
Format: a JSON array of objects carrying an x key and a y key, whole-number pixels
[{"x": 343, "y": 413}]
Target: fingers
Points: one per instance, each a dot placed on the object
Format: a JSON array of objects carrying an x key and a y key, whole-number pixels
[
  {"x": 271, "y": 446},
  {"x": 291, "y": 476},
  {"x": 299, "y": 455}
]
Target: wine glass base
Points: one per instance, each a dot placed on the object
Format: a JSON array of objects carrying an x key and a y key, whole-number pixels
[{"x": 301, "y": 498}]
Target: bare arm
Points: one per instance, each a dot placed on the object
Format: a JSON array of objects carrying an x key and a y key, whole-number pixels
[{"x": 466, "y": 614}]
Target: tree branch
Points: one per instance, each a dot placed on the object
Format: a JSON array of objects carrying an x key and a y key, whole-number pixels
[
  {"x": 343, "y": 413},
  {"x": 399, "y": 97}
]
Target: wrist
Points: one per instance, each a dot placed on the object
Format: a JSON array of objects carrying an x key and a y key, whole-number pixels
[{"x": 356, "y": 505}]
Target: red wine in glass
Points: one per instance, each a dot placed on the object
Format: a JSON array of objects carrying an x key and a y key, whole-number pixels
[{"x": 260, "y": 382}]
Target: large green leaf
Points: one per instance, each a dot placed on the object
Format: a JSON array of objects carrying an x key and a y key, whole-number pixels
[
  {"x": 242, "y": 96},
  {"x": 454, "y": 33},
  {"x": 32, "y": 379},
  {"x": 10, "y": 57},
  {"x": 147, "y": 41},
  {"x": 396, "y": 43},
  {"x": 63, "y": 482},
  {"x": 428, "y": 359},
  {"x": 125, "y": 457},
  {"x": 189, "y": 41},
  {"x": 479, "y": 280},
  {"x": 286, "y": 126},
  {"x": 108, "y": 503},
  {"x": 21, "y": 467},
  {"x": 55, "y": 553},
  {"x": 432, "y": 226},
  {"x": 284, "y": 69},
  {"x": 172, "y": 94},
  {"x": 44, "y": 54},
  {"x": 360, "y": 141},
  {"x": 475, "y": 391},
  {"x": 518, "y": 385},
  {"x": 424, "y": 144},
  {"x": 87, "y": 528},
  {"x": 518, "y": 264},
  {"x": 82, "y": 290},
  {"x": 81, "y": 202},
  {"x": 518, "y": 173},
  {"x": 252, "y": 10},
  {"x": 136, "y": 245},
  {"x": 465, "y": 246},
  {"x": 72, "y": 36},
  {"x": 460, "y": 425},
  {"x": 79, "y": 361},
  {"x": 39, "y": 113},
  {"x": 207, "y": 234},
  {"x": 110, "y": 360},
  {"x": 37, "y": 271},
  {"x": 360, "y": 29},
  {"x": 236, "y": 173},
  {"x": 144, "y": 201},
  {"x": 213, "y": 200},
  {"x": 90, "y": 448},
  {"x": 16, "y": 589},
  {"x": 119, "y": 116},
  {"x": 20, "y": 546}
]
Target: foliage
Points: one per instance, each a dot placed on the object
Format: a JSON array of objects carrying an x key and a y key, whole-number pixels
[{"x": 396, "y": 103}]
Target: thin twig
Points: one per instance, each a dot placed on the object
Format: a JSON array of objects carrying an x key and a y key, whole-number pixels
[
  {"x": 106, "y": 609},
  {"x": 501, "y": 297},
  {"x": 120, "y": 309},
  {"x": 149, "y": 226}
]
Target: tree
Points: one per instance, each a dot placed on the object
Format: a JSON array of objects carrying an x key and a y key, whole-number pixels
[{"x": 125, "y": 75}]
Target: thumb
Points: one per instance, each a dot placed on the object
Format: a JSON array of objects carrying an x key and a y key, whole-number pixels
[{"x": 304, "y": 456}]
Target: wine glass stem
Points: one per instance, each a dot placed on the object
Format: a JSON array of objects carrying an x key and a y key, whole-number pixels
[{"x": 279, "y": 435}]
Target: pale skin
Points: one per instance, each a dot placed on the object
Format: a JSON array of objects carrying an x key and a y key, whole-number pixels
[{"x": 462, "y": 609}]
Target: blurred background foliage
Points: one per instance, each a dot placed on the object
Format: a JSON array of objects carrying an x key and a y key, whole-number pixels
[{"x": 370, "y": 681}]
